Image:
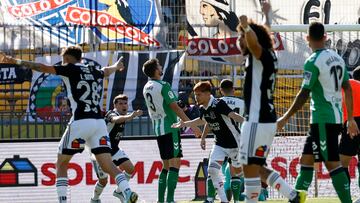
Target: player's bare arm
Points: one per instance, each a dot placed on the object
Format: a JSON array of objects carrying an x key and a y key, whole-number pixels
[
  {"x": 118, "y": 65},
  {"x": 299, "y": 101},
  {"x": 27, "y": 64},
  {"x": 126, "y": 118},
  {"x": 352, "y": 127},
  {"x": 180, "y": 113},
  {"x": 204, "y": 135},
  {"x": 250, "y": 37},
  {"x": 236, "y": 117},
  {"x": 268, "y": 14}
]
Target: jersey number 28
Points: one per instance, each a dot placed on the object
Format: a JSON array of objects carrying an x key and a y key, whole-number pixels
[{"x": 94, "y": 100}]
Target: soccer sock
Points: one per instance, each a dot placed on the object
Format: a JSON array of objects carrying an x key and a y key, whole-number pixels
[
  {"x": 358, "y": 165},
  {"x": 252, "y": 189},
  {"x": 235, "y": 187},
  {"x": 172, "y": 180},
  {"x": 304, "y": 178},
  {"x": 210, "y": 189},
  {"x": 162, "y": 185},
  {"x": 123, "y": 185},
  {"x": 341, "y": 184},
  {"x": 277, "y": 182},
  {"x": 61, "y": 188},
  {"x": 97, "y": 191},
  {"x": 346, "y": 170},
  {"x": 127, "y": 175},
  {"x": 214, "y": 171}
]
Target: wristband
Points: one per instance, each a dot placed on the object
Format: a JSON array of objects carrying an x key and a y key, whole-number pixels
[
  {"x": 247, "y": 29},
  {"x": 18, "y": 62}
]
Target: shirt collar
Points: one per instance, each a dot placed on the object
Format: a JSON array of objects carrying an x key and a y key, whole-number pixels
[{"x": 210, "y": 102}]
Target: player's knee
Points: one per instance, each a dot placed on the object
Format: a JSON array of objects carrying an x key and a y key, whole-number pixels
[
  {"x": 214, "y": 169},
  {"x": 130, "y": 169},
  {"x": 103, "y": 181}
]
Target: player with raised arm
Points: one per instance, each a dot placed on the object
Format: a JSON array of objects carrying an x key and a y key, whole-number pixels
[
  {"x": 115, "y": 120},
  {"x": 86, "y": 126},
  {"x": 163, "y": 109},
  {"x": 324, "y": 75}
]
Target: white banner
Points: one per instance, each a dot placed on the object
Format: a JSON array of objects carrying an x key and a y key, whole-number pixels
[{"x": 27, "y": 171}]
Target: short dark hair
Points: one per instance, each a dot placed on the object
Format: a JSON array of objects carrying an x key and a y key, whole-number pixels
[
  {"x": 202, "y": 86},
  {"x": 149, "y": 67},
  {"x": 356, "y": 73},
  {"x": 262, "y": 33},
  {"x": 226, "y": 84},
  {"x": 74, "y": 51},
  {"x": 316, "y": 31},
  {"x": 120, "y": 97}
]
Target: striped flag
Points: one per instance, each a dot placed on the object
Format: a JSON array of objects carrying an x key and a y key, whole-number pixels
[{"x": 132, "y": 80}]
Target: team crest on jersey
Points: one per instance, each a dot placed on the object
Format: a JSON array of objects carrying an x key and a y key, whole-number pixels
[
  {"x": 48, "y": 97},
  {"x": 78, "y": 143},
  {"x": 171, "y": 95},
  {"x": 111, "y": 21},
  {"x": 261, "y": 151},
  {"x": 104, "y": 140},
  {"x": 307, "y": 77}
]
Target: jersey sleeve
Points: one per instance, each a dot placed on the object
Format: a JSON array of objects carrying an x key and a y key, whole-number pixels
[
  {"x": 168, "y": 94},
  {"x": 109, "y": 116},
  {"x": 201, "y": 114},
  {"x": 346, "y": 76},
  {"x": 311, "y": 74},
  {"x": 223, "y": 108},
  {"x": 66, "y": 70}
]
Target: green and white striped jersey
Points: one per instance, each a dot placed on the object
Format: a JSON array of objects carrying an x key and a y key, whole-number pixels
[
  {"x": 158, "y": 96},
  {"x": 324, "y": 74}
]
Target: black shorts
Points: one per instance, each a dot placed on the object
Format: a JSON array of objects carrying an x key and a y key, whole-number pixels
[
  {"x": 348, "y": 146},
  {"x": 322, "y": 141},
  {"x": 170, "y": 145}
]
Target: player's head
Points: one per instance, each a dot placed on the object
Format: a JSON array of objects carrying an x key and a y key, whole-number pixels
[
  {"x": 316, "y": 35},
  {"x": 356, "y": 73},
  {"x": 227, "y": 87},
  {"x": 121, "y": 104},
  {"x": 71, "y": 54},
  {"x": 262, "y": 34},
  {"x": 202, "y": 92},
  {"x": 152, "y": 69}
]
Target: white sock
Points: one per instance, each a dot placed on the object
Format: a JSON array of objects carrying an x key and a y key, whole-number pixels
[
  {"x": 214, "y": 171},
  {"x": 277, "y": 182},
  {"x": 61, "y": 188},
  {"x": 127, "y": 175},
  {"x": 252, "y": 189},
  {"x": 123, "y": 185},
  {"x": 97, "y": 191}
]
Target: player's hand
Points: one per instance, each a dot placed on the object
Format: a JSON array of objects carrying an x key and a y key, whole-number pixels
[
  {"x": 119, "y": 64},
  {"x": 244, "y": 21},
  {"x": 203, "y": 144},
  {"x": 281, "y": 123},
  {"x": 138, "y": 113},
  {"x": 197, "y": 132},
  {"x": 6, "y": 59},
  {"x": 179, "y": 124},
  {"x": 352, "y": 128}
]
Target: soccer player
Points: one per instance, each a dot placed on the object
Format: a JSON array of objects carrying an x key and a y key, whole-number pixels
[
  {"x": 86, "y": 126},
  {"x": 350, "y": 146},
  {"x": 115, "y": 120},
  {"x": 163, "y": 109},
  {"x": 259, "y": 127},
  {"x": 324, "y": 75},
  {"x": 220, "y": 119}
]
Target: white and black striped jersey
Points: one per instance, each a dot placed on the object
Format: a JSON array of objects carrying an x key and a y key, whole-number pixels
[
  {"x": 216, "y": 115},
  {"x": 259, "y": 88},
  {"x": 115, "y": 130},
  {"x": 84, "y": 86}
]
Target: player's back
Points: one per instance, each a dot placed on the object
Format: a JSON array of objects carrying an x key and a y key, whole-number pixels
[
  {"x": 84, "y": 85},
  {"x": 234, "y": 103},
  {"x": 158, "y": 96}
]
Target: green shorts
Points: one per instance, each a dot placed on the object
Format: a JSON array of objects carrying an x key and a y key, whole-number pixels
[{"x": 170, "y": 145}]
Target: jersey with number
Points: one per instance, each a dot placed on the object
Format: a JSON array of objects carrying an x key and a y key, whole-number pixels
[
  {"x": 259, "y": 87},
  {"x": 158, "y": 97},
  {"x": 84, "y": 86},
  {"x": 236, "y": 104},
  {"x": 115, "y": 130},
  {"x": 324, "y": 74},
  {"x": 216, "y": 115}
]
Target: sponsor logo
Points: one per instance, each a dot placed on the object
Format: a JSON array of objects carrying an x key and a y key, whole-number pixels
[
  {"x": 307, "y": 77},
  {"x": 18, "y": 171},
  {"x": 104, "y": 140},
  {"x": 171, "y": 95},
  {"x": 78, "y": 143},
  {"x": 261, "y": 151}
]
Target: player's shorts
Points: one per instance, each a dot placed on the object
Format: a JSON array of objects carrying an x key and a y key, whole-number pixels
[
  {"x": 348, "y": 146},
  {"x": 255, "y": 142},
  {"x": 170, "y": 145},
  {"x": 118, "y": 158},
  {"x": 322, "y": 141},
  {"x": 90, "y": 132},
  {"x": 219, "y": 154}
]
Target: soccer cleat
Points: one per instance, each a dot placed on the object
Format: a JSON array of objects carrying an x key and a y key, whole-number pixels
[
  {"x": 95, "y": 200},
  {"x": 300, "y": 197},
  {"x": 120, "y": 196},
  {"x": 209, "y": 201},
  {"x": 132, "y": 198}
]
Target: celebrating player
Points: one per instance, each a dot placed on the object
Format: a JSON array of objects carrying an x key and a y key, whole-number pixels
[
  {"x": 324, "y": 75},
  {"x": 115, "y": 120},
  {"x": 86, "y": 126}
]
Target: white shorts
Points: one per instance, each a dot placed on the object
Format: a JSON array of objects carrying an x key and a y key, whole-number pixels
[
  {"x": 90, "y": 132},
  {"x": 255, "y": 142},
  {"x": 118, "y": 158},
  {"x": 219, "y": 153}
]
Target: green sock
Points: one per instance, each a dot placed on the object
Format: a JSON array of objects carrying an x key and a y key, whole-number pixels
[
  {"x": 304, "y": 178},
  {"x": 172, "y": 180},
  {"x": 162, "y": 185},
  {"x": 235, "y": 187},
  {"x": 210, "y": 188},
  {"x": 341, "y": 185}
]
